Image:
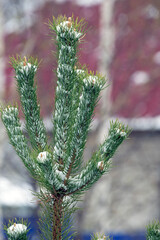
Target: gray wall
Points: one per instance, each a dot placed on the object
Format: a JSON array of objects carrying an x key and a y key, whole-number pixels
[{"x": 128, "y": 197}]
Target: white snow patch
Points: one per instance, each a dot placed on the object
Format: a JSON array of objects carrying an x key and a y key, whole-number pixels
[
  {"x": 123, "y": 134},
  {"x": 80, "y": 71},
  {"x": 16, "y": 229},
  {"x": 140, "y": 77},
  {"x": 12, "y": 195},
  {"x": 156, "y": 57},
  {"x": 90, "y": 79},
  {"x": 42, "y": 157},
  {"x": 27, "y": 68},
  {"x": 67, "y": 26}
]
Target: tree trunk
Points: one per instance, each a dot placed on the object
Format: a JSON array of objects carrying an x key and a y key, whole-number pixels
[{"x": 57, "y": 218}]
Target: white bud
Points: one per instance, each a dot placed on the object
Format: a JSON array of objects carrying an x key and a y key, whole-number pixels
[
  {"x": 104, "y": 237},
  {"x": 100, "y": 165},
  {"x": 42, "y": 157},
  {"x": 16, "y": 229},
  {"x": 27, "y": 68},
  {"x": 67, "y": 26},
  {"x": 123, "y": 134}
]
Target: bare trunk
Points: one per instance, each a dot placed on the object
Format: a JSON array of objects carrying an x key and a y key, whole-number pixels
[{"x": 57, "y": 219}]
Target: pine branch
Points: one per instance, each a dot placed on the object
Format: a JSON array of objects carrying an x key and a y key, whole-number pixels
[
  {"x": 92, "y": 85},
  {"x": 99, "y": 163},
  {"x": 25, "y": 72},
  {"x": 11, "y": 121},
  {"x": 67, "y": 41}
]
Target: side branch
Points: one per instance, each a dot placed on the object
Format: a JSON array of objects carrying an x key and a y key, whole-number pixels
[
  {"x": 92, "y": 86},
  {"x": 11, "y": 121},
  {"x": 99, "y": 163},
  {"x": 25, "y": 72}
]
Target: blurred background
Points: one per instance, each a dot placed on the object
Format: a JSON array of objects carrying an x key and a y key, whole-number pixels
[{"x": 123, "y": 43}]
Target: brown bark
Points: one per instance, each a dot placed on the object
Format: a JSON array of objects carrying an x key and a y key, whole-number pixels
[
  {"x": 57, "y": 219},
  {"x": 70, "y": 169}
]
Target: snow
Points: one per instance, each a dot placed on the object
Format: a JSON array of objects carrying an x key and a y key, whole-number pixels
[
  {"x": 64, "y": 67},
  {"x": 67, "y": 26},
  {"x": 10, "y": 111},
  {"x": 16, "y": 229},
  {"x": 80, "y": 71},
  {"x": 90, "y": 79},
  {"x": 27, "y": 68},
  {"x": 61, "y": 175},
  {"x": 140, "y": 77},
  {"x": 121, "y": 133},
  {"x": 42, "y": 157},
  {"x": 15, "y": 195}
]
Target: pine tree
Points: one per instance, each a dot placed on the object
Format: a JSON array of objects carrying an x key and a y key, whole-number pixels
[{"x": 58, "y": 167}]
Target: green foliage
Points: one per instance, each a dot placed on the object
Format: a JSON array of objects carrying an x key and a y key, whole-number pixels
[
  {"x": 59, "y": 169},
  {"x": 153, "y": 231},
  {"x": 25, "y": 72}
]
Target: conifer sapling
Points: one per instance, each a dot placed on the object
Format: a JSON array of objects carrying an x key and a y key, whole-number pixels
[{"x": 58, "y": 168}]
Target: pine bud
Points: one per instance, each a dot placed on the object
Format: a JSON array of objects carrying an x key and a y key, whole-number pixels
[
  {"x": 121, "y": 132},
  {"x": 104, "y": 238},
  {"x": 25, "y": 67},
  {"x": 100, "y": 166},
  {"x": 24, "y": 61},
  {"x": 16, "y": 230},
  {"x": 69, "y": 24},
  {"x": 42, "y": 157}
]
